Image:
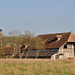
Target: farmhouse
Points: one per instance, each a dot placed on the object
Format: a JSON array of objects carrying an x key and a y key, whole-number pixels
[
  {"x": 60, "y": 45},
  {"x": 57, "y": 46}
]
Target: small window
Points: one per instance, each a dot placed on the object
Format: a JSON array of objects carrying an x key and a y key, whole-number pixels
[
  {"x": 65, "y": 46},
  {"x": 61, "y": 54}
]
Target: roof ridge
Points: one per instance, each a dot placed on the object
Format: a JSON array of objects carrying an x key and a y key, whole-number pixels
[{"x": 55, "y": 33}]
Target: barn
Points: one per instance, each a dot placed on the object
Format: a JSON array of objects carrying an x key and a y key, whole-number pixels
[
  {"x": 60, "y": 45},
  {"x": 57, "y": 46}
]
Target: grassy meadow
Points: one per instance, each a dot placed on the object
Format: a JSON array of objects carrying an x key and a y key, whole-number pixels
[{"x": 36, "y": 67}]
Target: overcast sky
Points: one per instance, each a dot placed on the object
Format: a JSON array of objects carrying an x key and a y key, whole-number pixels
[{"x": 39, "y": 16}]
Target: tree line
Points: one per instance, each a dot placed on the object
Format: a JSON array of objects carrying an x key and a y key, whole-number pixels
[{"x": 16, "y": 41}]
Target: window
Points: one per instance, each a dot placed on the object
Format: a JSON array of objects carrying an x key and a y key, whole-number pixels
[
  {"x": 65, "y": 46},
  {"x": 55, "y": 39}
]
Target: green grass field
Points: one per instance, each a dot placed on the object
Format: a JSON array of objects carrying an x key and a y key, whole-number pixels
[{"x": 36, "y": 67}]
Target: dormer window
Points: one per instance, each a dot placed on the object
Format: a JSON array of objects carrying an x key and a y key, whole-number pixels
[
  {"x": 55, "y": 39},
  {"x": 59, "y": 37}
]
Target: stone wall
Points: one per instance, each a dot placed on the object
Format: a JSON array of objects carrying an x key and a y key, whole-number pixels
[{"x": 65, "y": 52}]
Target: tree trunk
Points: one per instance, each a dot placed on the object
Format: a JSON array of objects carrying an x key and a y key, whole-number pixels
[
  {"x": 15, "y": 49},
  {"x": 20, "y": 54},
  {"x": 27, "y": 54},
  {"x": 37, "y": 54}
]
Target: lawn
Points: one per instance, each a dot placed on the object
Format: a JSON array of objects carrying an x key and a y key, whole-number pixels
[{"x": 36, "y": 67}]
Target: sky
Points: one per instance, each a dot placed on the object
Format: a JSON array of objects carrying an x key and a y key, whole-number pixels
[{"x": 38, "y": 16}]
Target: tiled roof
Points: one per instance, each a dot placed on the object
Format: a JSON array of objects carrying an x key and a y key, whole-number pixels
[
  {"x": 53, "y": 41},
  {"x": 8, "y": 50}
]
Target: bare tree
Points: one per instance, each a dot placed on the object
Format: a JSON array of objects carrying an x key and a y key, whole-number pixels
[
  {"x": 15, "y": 38},
  {"x": 28, "y": 39},
  {"x": 36, "y": 44},
  {"x": 33, "y": 42}
]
